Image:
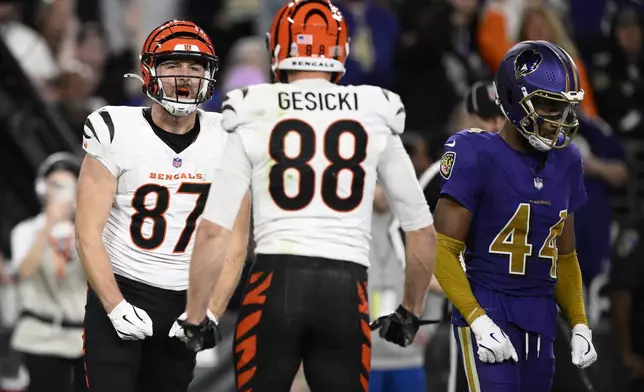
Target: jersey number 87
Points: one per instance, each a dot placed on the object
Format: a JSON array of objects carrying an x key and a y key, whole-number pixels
[
  {"x": 301, "y": 163},
  {"x": 157, "y": 215}
]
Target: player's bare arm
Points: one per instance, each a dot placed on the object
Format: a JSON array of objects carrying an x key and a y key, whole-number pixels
[
  {"x": 420, "y": 255},
  {"x": 234, "y": 263},
  {"x": 408, "y": 201},
  {"x": 96, "y": 189},
  {"x": 214, "y": 232},
  {"x": 452, "y": 222}
]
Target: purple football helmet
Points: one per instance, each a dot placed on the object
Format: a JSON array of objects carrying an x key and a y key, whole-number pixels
[{"x": 538, "y": 87}]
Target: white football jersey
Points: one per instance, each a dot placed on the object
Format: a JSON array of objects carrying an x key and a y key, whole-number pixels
[
  {"x": 311, "y": 151},
  {"x": 160, "y": 193}
]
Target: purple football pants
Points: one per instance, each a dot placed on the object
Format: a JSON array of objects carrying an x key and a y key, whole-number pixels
[{"x": 533, "y": 372}]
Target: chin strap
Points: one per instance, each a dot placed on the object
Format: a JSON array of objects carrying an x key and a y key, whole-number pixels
[{"x": 178, "y": 109}]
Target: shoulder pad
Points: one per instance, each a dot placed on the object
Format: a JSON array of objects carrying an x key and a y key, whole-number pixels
[
  {"x": 232, "y": 109},
  {"x": 99, "y": 127},
  {"x": 207, "y": 118},
  {"x": 461, "y": 141},
  {"x": 394, "y": 113},
  {"x": 575, "y": 152}
]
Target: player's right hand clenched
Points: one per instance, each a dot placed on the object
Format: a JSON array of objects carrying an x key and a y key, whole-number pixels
[
  {"x": 130, "y": 322},
  {"x": 494, "y": 346}
]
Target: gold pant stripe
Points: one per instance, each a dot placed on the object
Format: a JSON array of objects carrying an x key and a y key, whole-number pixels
[{"x": 469, "y": 362}]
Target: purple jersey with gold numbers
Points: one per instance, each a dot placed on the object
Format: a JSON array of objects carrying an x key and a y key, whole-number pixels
[{"x": 518, "y": 210}]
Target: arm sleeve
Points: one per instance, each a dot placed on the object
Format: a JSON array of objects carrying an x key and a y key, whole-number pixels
[
  {"x": 460, "y": 172},
  {"x": 229, "y": 184},
  {"x": 98, "y": 135},
  {"x": 451, "y": 276},
  {"x": 568, "y": 289},
  {"x": 397, "y": 175},
  {"x": 577, "y": 188}
]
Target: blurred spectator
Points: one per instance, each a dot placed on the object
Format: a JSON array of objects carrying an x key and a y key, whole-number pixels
[
  {"x": 436, "y": 60},
  {"x": 627, "y": 289},
  {"x": 604, "y": 167},
  {"x": 538, "y": 22},
  {"x": 82, "y": 73},
  {"x": 374, "y": 34},
  {"x": 480, "y": 105},
  {"x": 424, "y": 152},
  {"x": 4, "y": 274},
  {"x": 52, "y": 284},
  {"x": 211, "y": 16},
  {"x": 393, "y": 368},
  {"x": 618, "y": 75},
  {"x": 57, "y": 22},
  {"x": 247, "y": 64},
  {"x": 13, "y": 376},
  {"x": 28, "y": 47}
]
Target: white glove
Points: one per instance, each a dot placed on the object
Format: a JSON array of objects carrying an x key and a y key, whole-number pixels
[
  {"x": 130, "y": 322},
  {"x": 583, "y": 351},
  {"x": 494, "y": 346},
  {"x": 177, "y": 332}
]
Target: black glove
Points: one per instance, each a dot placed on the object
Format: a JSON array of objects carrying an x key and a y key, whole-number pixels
[
  {"x": 399, "y": 327},
  {"x": 201, "y": 337}
]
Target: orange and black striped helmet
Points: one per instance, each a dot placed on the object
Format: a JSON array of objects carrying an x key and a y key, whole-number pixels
[
  {"x": 177, "y": 39},
  {"x": 308, "y": 35}
]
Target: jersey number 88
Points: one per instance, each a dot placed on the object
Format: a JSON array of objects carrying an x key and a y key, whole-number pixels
[{"x": 306, "y": 173}]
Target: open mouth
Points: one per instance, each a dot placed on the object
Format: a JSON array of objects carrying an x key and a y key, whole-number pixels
[{"x": 183, "y": 92}]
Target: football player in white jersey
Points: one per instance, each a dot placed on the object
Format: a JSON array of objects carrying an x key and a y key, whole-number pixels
[
  {"x": 311, "y": 151},
  {"x": 143, "y": 185}
]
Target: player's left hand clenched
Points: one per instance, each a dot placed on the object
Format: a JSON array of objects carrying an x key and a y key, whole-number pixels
[
  {"x": 199, "y": 337},
  {"x": 494, "y": 346},
  {"x": 399, "y": 327},
  {"x": 130, "y": 322},
  {"x": 583, "y": 351}
]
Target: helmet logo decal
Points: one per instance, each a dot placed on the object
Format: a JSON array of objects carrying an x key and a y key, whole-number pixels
[{"x": 527, "y": 62}]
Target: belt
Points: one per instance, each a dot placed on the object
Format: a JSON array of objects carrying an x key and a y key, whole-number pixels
[{"x": 50, "y": 320}]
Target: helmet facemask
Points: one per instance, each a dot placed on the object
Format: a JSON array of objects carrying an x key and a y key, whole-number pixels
[
  {"x": 180, "y": 94},
  {"x": 551, "y": 118}
]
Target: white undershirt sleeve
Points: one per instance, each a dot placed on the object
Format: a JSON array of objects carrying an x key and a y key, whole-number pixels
[
  {"x": 230, "y": 183},
  {"x": 398, "y": 177}
]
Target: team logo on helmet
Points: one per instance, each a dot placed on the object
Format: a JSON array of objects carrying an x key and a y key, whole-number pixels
[
  {"x": 447, "y": 164},
  {"x": 527, "y": 62}
]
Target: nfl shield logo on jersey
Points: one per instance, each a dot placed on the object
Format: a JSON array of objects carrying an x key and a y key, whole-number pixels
[
  {"x": 176, "y": 162},
  {"x": 538, "y": 183}
]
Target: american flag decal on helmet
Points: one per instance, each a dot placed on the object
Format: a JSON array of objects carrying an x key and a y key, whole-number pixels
[{"x": 304, "y": 39}]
